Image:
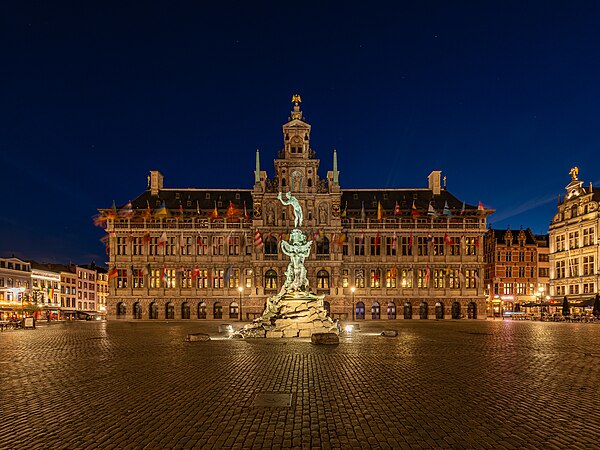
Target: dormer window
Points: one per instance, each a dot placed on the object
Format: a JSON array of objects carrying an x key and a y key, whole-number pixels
[
  {"x": 207, "y": 196},
  {"x": 177, "y": 196}
]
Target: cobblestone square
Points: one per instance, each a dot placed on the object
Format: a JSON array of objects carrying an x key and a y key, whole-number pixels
[{"x": 439, "y": 384}]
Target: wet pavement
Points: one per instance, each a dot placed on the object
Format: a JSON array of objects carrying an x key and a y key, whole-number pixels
[{"x": 439, "y": 384}]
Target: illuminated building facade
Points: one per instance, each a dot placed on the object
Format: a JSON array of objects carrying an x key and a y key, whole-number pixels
[
  {"x": 377, "y": 254},
  {"x": 512, "y": 269},
  {"x": 45, "y": 289},
  {"x": 15, "y": 286},
  {"x": 574, "y": 250}
]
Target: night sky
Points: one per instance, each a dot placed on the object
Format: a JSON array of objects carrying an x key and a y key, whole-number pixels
[{"x": 503, "y": 97}]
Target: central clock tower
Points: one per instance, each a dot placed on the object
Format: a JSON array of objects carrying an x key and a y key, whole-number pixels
[{"x": 296, "y": 167}]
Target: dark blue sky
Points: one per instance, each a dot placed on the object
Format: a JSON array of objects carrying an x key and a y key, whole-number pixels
[{"x": 503, "y": 97}]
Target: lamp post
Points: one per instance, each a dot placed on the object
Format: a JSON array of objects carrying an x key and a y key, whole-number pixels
[
  {"x": 240, "y": 290},
  {"x": 540, "y": 295},
  {"x": 352, "y": 289}
]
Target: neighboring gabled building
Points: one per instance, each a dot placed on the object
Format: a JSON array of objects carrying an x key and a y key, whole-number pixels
[
  {"x": 511, "y": 269},
  {"x": 377, "y": 253}
]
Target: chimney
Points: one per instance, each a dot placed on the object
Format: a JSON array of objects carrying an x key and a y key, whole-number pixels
[
  {"x": 156, "y": 182},
  {"x": 434, "y": 181}
]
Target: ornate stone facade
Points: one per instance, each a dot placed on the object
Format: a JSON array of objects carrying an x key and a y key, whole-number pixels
[
  {"x": 574, "y": 251},
  {"x": 377, "y": 253}
]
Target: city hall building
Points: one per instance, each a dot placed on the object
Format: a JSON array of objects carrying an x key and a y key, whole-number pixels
[{"x": 377, "y": 254}]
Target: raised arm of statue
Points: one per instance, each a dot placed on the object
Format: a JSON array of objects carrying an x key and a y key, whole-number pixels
[
  {"x": 291, "y": 200},
  {"x": 287, "y": 248}
]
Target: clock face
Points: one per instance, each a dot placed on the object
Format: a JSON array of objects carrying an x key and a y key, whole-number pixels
[{"x": 296, "y": 139}]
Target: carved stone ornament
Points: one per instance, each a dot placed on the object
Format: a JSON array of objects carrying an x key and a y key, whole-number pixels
[
  {"x": 335, "y": 209},
  {"x": 257, "y": 210}
]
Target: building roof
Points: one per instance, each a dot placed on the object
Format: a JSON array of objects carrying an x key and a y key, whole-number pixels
[
  {"x": 51, "y": 267},
  {"x": 500, "y": 235},
  {"x": 354, "y": 199}
]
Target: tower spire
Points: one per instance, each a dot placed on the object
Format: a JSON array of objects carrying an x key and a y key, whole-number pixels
[
  {"x": 335, "y": 167},
  {"x": 257, "y": 170}
]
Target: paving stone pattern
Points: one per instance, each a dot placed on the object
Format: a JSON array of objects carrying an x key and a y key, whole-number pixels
[{"x": 439, "y": 384}]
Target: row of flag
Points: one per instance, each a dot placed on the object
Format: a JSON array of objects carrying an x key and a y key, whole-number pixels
[
  {"x": 414, "y": 212},
  {"x": 127, "y": 212}
]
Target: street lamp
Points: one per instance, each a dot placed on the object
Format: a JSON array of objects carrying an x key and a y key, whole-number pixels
[
  {"x": 352, "y": 289},
  {"x": 240, "y": 290}
]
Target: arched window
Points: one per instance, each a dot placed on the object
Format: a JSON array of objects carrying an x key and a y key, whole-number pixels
[
  {"x": 360, "y": 310},
  {"x": 218, "y": 311},
  {"x": 309, "y": 182},
  {"x": 121, "y": 310},
  {"x": 322, "y": 279},
  {"x": 271, "y": 245},
  {"x": 323, "y": 246},
  {"x": 283, "y": 182},
  {"x": 185, "y": 310},
  {"x": 271, "y": 280},
  {"x": 233, "y": 310},
  {"x": 137, "y": 310},
  {"x": 375, "y": 311},
  {"x": 170, "y": 311},
  {"x": 391, "y": 311},
  {"x": 202, "y": 310},
  {"x": 153, "y": 311}
]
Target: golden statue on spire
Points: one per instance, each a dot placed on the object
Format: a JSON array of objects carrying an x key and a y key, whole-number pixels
[
  {"x": 296, "y": 99},
  {"x": 574, "y": 172}
]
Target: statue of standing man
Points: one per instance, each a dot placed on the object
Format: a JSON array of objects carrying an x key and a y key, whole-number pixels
[{"x": 291, "y": 200}]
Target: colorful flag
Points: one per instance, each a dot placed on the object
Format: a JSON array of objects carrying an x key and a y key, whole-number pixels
[
  {"x": 198, "y": 207},
  {"x": 162, "y": 212},
  {"x": 397, "y": 211},
  {"x": 148, "y": 212},
  {"x": 362, "y": 212},
  {"x": 413, "y": 211},
  {"x": 480, "y": 207},
  {"x": 112, "y": 273},
  {"x": 245, "y": 212},
  {"x": 258, "y": 242},
  {"x": 462, "y": 210},
  {"x": 180, "y": 210},
  {"x": 431, "y": 211},
  {"x": 195, "y": 272},
  {"x": 146, "y": 237},
  {"x": 427, "y": 275},
  {"x": 448, "y": 240},
  {"x": 127, "y": 211},
  {"x": 379, "y": 211},
  {"x": 228, "y": 275},
  {"x": 410, "y": 241},
  {"x": 231, "y": 210},
  {"x": 162, "y": 240},
  {"x": 147, "y": 270},
  {"x": 215, "y": 213},
  {"x": 164, "y": 274},
  {"x": 446, "y": 211},
  {"x": 394, "y": 240},
  {"x": 377, "y": 239},
  {"x": 345, "y": 211}
]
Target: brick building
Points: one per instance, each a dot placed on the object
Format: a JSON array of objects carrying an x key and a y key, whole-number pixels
[{"x": 512, "y": 269}]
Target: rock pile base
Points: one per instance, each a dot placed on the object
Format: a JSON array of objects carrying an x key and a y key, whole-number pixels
[{"x": 295, "y": 314}]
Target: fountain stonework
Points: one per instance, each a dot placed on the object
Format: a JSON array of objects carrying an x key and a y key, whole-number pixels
[{"x": 294, "y": 311}]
